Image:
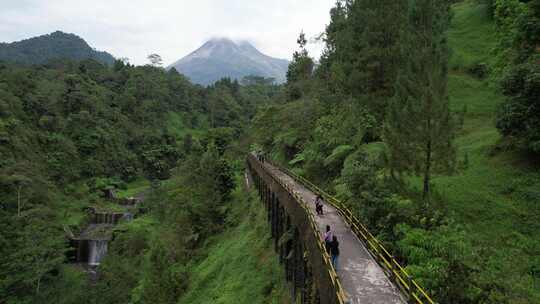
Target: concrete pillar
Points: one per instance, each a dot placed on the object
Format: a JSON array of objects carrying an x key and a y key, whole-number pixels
[
  {"x": 299, "y": 262},
  {"x": 261, "y": 193},
  {"x": 274, "y": 218},
  {"x": 281, "y": 231},
  {"x": 261, "y": 187},
  {"x": 308, "y": 284},
  {"x": 275, "y": 212},
  {"x": 258, "y": 178},
  {"x": 268, "y": 207}
]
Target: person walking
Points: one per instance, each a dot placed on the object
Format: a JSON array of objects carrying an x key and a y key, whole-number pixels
[
  {"x": 328, "y": 237},
  {"x": 318, "y": 205},
  {"x": 334, "y": 252},
  {"x": 317, "y": 199}
]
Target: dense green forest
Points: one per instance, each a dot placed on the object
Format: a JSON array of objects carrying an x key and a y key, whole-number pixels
[
  {"x": 422, "y": 116},
  {"x": 71, "y": 129}
]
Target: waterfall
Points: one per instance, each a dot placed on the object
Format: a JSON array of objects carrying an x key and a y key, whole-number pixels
[{"x": 97, "y": 250}]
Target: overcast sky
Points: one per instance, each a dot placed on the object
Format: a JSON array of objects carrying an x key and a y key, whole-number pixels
[{"x": 171, "y": 28}]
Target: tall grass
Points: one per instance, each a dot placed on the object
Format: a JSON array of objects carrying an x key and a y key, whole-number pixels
[
  {"x": 496, "y": 195},
  {"x": 240, "y": 265}
]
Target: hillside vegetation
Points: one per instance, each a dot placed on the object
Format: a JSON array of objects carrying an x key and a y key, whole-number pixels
[
  {"x": 431, "y": 136},
  {"x": 457, "y": 201},
  {"x": 51, "y": 47},
  {"x": 69, "y": 130},
  {"x": 496, "y": 194},
  {"x": 240, "y": 266}
]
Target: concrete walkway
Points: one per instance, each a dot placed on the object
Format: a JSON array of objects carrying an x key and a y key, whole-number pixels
[{"x": 361, "y": 277}]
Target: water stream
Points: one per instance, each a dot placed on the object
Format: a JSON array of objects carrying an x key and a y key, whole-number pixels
[
  {"x": 92, "y": 244},
  {"x": 96, "y": 251}
]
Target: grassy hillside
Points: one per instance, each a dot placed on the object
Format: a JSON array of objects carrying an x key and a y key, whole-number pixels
[
  {"x": 496, "y": 194},
  {"x": 133, "y": 188},
  {"x": 240, "y": 266}
]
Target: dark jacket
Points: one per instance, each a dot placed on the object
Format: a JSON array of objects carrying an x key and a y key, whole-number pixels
[{"x": 334, "y": 248}]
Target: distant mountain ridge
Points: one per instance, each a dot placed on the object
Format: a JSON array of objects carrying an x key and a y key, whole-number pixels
[
  {"x": 222, "y": 57},
  {"x": 57, "y": 45}
]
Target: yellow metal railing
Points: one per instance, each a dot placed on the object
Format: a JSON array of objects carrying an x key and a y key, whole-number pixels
[
  {"x": 340, "y": 293},
  {"x": 386, "y": 260}
]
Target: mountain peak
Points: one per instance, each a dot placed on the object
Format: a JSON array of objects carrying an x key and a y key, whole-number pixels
[
  {"x": 60, "y": 33},
  {"x": 221, "y": 40},
  {"x": 222, "y": 57}
]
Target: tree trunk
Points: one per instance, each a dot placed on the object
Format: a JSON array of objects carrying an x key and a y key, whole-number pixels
[
  {"x": 427, "y": 173},
  {"x": 19, "y": 207},
  {"x": 38, "y": 284}
]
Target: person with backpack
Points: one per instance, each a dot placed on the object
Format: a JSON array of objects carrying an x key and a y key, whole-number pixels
[
  {"x": 328, "y": 237},
  {"x": 334, "y": 252}
]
